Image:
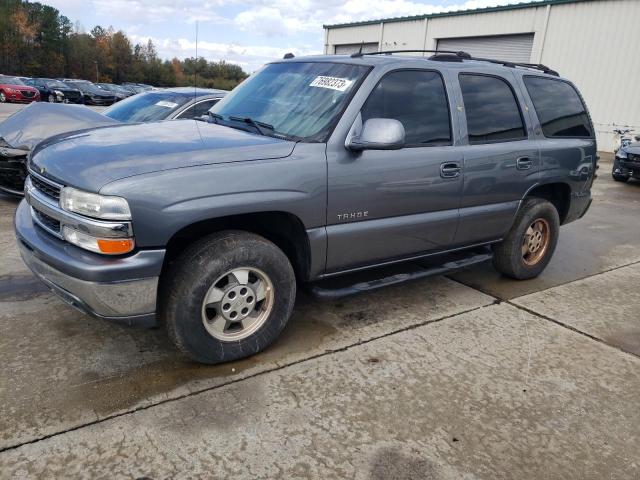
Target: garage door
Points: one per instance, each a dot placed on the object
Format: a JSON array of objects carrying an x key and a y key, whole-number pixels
[
  {"x": 513, "y": 48},
  {"x": 348, "y": 49}
]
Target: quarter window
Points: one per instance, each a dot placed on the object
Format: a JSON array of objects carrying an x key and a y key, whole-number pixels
[
  {"x": 492, "y": 110},
  {"x": 418, "y": 100},
  {"x": 559, "y": 108}
]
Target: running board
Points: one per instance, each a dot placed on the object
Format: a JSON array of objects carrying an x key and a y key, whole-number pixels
[{"x": 462, "y": 260}]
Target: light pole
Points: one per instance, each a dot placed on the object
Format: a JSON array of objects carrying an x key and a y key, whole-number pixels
[{"x": 97, "y": 73}]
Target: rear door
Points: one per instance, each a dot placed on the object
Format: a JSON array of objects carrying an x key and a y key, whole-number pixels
[
  {"x": 387, "y": 205},
  {"x": 501, "y": 156}
]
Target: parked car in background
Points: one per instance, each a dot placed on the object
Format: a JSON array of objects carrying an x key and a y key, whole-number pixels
[
  {"x": 12, "y": 89},
  {"x": 93, "y": 95},
  {"x": 135, "y": 87},
  {"x": 119, "y": 92},
  {"x": 55, "y": 91},
  {"x": 165, "y": 104},
  {"x": 25, "y": 129},
  {"x": 627, "y": 161}
]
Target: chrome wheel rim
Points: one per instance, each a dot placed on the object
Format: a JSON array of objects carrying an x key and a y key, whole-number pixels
[
  {"x": 237, "y": 304},
  {"x": 52, "y": 99},
  {"x": 3, "y": 97},
  {"x": 536, "y": 242}
]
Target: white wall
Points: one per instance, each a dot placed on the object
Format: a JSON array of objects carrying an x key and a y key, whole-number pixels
[{"x": 595, "y": 44}]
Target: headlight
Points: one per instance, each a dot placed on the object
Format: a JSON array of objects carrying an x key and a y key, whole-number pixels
[
  {"x": 94, "y": 205},
  {"x": 58, "y": 93}
]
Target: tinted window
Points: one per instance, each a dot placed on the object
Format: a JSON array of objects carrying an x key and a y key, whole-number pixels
[
  {"x": 559, "y": 108},
  {"x": 491, "y": 109},
  {"x": 418, "y": 100},
  {"x": 199, "y": 109}
]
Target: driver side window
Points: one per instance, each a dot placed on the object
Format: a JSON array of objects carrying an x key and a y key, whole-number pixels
[{"x": 416, "y": 98}]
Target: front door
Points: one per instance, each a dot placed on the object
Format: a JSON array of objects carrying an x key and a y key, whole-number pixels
[{"x": 385, "y": 205}]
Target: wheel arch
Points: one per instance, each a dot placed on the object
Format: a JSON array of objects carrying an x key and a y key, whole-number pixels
[
  {"x": 557, "y": 193},
  {"x": 284, "y": 229}
]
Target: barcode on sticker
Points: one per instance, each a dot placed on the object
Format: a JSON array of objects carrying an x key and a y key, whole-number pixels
[{"x": 333, "y": 83}]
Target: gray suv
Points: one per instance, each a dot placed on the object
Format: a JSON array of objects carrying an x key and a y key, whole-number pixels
[{"x": 312, "y": 168}]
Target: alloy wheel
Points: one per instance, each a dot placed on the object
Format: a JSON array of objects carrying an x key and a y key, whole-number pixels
[
  {"x": 238, "y": 304},
  {"x": 535, "y": 242}
]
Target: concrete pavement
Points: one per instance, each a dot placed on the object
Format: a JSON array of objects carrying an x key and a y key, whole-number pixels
[{"x": 472, "y": 376}]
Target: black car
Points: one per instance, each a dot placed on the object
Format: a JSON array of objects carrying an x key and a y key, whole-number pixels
[
  {"x": 55, "y": 91},
  {"x": 627, "y": 162},
  {"x": 93, "y": 95},
  {"x": 119, "y": 92}
]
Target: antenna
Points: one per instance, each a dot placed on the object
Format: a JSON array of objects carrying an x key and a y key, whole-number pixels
[{"x": 195, "y": 73}]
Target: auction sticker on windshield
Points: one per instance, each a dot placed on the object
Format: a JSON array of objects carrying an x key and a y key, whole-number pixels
[
  {"x": 333, "y": 83},
  {"x": 163, "y": 103}
]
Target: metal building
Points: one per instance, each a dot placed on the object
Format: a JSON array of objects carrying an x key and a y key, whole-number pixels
[{"x": 594, "y": 43}]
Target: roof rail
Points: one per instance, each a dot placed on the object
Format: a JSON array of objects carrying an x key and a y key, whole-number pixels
[
  {"x": 462, "y": 55},
  {"x": 453, "y": 56}
]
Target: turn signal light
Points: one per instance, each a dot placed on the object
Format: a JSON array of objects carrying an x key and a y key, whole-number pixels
[{"x": 115, "y": 247}]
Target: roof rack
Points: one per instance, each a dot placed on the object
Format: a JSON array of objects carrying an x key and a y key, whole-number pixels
[{"x": 453, "y": 56}]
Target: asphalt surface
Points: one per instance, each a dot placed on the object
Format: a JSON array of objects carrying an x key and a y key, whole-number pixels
[{"x": 469, "y": 376}]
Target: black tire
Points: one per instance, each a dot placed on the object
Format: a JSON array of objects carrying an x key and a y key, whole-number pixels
[
  {"x": 189, "y": 278},
  {"x": 620, "y": 178},
  {"x": 508, "y": 255}
]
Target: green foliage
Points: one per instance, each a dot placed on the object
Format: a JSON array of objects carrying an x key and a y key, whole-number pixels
[{"x": 37, "y": 41}]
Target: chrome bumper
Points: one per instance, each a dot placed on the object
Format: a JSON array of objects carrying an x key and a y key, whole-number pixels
[{"x": 130, "y": 302}]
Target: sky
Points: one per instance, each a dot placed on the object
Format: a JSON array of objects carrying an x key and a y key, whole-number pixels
[{"x": 247, "y": 32}]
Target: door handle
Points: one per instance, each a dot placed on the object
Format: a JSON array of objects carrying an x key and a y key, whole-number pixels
[
  {"x": 450, "y": 170},
  {"x": 523, "y": 163}
]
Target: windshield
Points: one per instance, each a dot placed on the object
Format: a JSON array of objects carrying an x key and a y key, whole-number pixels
[
  {"x": 56, "y": 84},
  {"x": 299, "y": 99},
  {"x": 11, "y": 81},
  {"x": 147, "y": 107}
]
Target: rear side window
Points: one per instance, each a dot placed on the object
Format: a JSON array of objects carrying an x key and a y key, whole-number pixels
[
  {"x": 418, "y": 100},
  {"x": 491, "y": 108},
  {"x": 559, "y": 108}
]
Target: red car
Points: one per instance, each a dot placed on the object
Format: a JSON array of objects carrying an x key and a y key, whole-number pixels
[{"x": 12, "y": 89}]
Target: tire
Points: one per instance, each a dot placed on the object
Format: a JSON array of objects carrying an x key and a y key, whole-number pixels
[
  {"x": 620, "y": 178},
  {"x": 51, "y": 99},
  {"x": 3, "y": 97},
  {"x": 537, "y": 224},
  {"x": 213, "y": 269}
]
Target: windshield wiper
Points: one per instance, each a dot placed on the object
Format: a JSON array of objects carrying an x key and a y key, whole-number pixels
[{"x": 259, "y": 126}]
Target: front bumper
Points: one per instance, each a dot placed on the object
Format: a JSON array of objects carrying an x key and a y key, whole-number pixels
[{"x": 120, "y": 289}]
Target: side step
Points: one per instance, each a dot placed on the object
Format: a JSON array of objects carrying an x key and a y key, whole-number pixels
[{"x": 416, "y": 270}]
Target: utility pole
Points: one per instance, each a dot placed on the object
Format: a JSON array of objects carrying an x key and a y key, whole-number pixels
[{"x": 97, "y": 73}]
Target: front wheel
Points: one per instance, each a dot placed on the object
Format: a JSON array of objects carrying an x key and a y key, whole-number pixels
[
  {"x": 51, "y": 99},
  {"x": 3, "y": 97},
  {"x": 529, "y": 245},
  {"x": 227, "y": 296}
]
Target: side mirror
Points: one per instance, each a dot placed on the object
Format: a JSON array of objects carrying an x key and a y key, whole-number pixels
[{"x": 379, "y": 134}]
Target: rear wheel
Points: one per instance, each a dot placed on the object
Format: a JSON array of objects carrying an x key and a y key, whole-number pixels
[
  {"x": 227, "y": 296},
  {"x": 529, "y": 245}
]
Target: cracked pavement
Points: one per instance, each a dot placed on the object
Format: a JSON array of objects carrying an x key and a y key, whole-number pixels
[{"x": 468, "y": 376}]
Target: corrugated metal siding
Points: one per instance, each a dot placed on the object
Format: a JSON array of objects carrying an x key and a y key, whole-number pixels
[
  {"x": 355, "y": 47},
  {"x": 593, "y": 43},
  {"x": 514, "y": 48}
]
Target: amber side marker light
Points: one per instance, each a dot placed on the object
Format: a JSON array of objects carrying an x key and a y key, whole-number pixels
[{"x": 115, "y": 247}]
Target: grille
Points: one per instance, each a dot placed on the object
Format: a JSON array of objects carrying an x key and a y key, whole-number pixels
[
  {"x": 50, "y": 190},
  {"x": 12, "y": 174},
  {"x": 27, "y": 93},
  {"x": 47, "y": 221}
]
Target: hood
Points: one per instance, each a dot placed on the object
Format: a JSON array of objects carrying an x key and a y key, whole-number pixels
[
  {"x": 633, "y": 148},
  {"x": 91, "y": 159},
  {"x": 25, "y": 129}
]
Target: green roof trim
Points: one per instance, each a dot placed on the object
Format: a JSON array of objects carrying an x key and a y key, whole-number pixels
[{"x": 454, "y": 13}]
